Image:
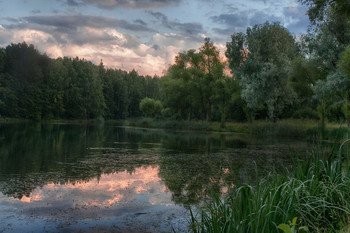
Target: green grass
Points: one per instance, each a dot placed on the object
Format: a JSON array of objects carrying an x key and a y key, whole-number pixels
[{"x": 315, "y": 190}]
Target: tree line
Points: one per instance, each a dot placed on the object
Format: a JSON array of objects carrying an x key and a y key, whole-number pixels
[
  {"x": 273, "y": 75},
  {"x": 35, "y": 86}
]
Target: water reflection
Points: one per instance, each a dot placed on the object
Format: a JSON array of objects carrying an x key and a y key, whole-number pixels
[
  {"x": 99, "y": 171},
  {"x": 104, "y": 191}
]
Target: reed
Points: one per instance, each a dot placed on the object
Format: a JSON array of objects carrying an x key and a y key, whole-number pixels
[{"x": 316, "y": 191}]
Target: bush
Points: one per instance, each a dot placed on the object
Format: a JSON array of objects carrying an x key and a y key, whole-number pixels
[
  {"x": 150, "y": 107},
  {"x": 335, "y": 112},
  {"x": 306, "y": 113}
]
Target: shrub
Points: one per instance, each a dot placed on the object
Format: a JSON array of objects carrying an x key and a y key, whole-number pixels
[
  {"x": 150, "y": 107},
  {"x": 306, "y": 113}
]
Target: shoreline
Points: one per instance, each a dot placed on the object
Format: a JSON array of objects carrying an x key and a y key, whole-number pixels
[{"x": 292, "y": 128}]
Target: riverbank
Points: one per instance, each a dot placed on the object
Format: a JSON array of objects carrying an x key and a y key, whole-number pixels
[
  {"x": 292, "y": 128},
  {"x": 304, "y": 129}
]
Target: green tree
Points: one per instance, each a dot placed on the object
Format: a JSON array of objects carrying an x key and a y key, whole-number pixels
[
  {"x": 317, "y": 11},
  {"x": 260, "y": 60},
  {"x": 344, "y": 68},
  {"x": 344, "y": 63},
  {"x": 151, "y": 107},
  {"x": 57, "y": 83},
  {"x": 115, "y": 94},
  {"x": 325, "y": 44},
  {"x": 26, "y": 76},
  {"x": 189, "y": 86},
  {"x": 135, "y": 92}
]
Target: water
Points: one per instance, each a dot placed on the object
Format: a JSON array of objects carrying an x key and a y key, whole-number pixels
[{"x": 106, "y": 178}]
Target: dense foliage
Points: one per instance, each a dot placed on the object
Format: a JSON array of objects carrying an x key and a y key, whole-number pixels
[{"x": 37, "y": 87}]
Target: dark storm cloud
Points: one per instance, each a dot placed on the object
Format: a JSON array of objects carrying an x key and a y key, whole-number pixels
[
  {"x": 64, "y": 22},
  {"x": 188, "y": 29},
  {"x": 134, "y": 4}
]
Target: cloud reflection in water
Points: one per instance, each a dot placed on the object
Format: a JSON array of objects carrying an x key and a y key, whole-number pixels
[{"x": 106, "y": 190}]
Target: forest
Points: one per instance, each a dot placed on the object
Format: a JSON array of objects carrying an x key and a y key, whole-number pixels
[{"x": 267, "y": 73}]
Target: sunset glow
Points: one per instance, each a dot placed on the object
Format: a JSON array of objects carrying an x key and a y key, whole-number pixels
[{"x": 140, "y": 35}]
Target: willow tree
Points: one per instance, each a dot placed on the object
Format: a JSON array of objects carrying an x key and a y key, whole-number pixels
[{"x": 260, "y": 59}]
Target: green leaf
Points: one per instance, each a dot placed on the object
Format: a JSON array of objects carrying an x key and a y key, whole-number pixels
[
  {"x": 304, "y": 228},
  {"x": 294, "y": 221},
  {"x": 284, "y": 227}
]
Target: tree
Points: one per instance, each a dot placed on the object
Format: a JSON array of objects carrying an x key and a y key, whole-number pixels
[
  {"x": 317, "y": 11},
  {"x": 344, "y": 63},
  {"x": 325, "y": 44},
  {"x": 115, "y": 94},
  {"x": 260, "y": 60},
  {"x": 189, "y": 86},
  {"x": 26, "y": 72},
  {"x": 150, "y": 107},
  {"x": 344, "y": 68}
]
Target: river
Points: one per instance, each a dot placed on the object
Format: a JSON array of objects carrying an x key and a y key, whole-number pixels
[{"x": 110, "y": 178}]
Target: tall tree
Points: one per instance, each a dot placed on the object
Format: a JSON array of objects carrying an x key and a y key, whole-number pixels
[
  {"x": 189, "y": 86},
  {"x": 317, "y": 11},
  {"x": 325, "y": 43},
  {"x": 260, "y": 60},
  {"x": 26, "y": 70}
]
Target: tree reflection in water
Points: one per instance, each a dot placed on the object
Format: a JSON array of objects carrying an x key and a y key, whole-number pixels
[
  {"x": 76, "y": 177},
  {"x": 190, "y": 165}
]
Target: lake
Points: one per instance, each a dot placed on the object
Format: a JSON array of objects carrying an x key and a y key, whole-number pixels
[{"x": 109, "y": 178}]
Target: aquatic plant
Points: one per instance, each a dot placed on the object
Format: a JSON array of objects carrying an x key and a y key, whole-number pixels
[{"x": 316, "y": 191}]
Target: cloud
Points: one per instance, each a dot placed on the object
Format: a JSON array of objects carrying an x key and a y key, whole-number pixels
[
  {"x": 36, "y": 11},
  {"x": 238, "y": 20},
  {"x": 141, "y": 22},
  {"x": 192, "y": 30},
  {"x": 230, "y": 23},
  {"x": 72, "y": 3},
  {"x": 117, "y": 50},
  {"x": 296, "y": 18},
  {"x": 95, "y": 38},
  {"x": 133, "y": 4},
  {"x": 260, "y": 17},
  {"x": 11, "y": 19},
  {"x": 69, "y": 22}
]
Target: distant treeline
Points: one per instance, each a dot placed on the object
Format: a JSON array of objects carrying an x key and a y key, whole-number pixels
[
  {"x": 268, "y": 74},
  {"x": 35, "y": 86}
]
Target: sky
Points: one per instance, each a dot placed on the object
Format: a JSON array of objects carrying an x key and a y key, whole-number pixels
[{"x": 144, "y": 35}]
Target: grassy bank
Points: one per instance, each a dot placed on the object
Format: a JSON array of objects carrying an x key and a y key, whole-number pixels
[
  {"x": 316, "y": 191},
  {"x": 289, "y": 128}
]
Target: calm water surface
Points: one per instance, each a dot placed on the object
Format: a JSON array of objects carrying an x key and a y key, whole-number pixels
[{"x": 105, "y": 178}]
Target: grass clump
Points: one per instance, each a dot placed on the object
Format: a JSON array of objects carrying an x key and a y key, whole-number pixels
[{"x": 315, "y": 190}]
